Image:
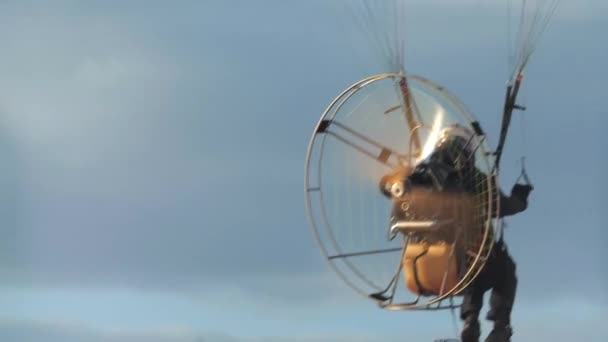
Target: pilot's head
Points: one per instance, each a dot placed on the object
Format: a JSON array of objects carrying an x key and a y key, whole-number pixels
[{"x": 455, "y": 147}]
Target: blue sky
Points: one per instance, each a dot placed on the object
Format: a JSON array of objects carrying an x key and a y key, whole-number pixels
[{"x": 154, "y": 160}]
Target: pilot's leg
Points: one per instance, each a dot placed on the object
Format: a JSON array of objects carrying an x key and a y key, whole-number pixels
[
  {"x": 472, "y": 304},
  {"x": 503, "y": 296}
]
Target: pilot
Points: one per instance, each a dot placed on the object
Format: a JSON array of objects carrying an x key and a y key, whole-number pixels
[
  {"x": 455, "y": 147},
  {"x": 452, "y": 165}
]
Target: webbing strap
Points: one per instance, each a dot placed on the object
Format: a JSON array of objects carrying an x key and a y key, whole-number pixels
[{"x": 510, "y": 98}]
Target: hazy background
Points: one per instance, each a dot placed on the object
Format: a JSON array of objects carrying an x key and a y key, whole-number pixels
[{"x": 153, "y": 157}]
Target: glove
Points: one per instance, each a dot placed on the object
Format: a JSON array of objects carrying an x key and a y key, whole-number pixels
[{"x": 521, "y": 191}]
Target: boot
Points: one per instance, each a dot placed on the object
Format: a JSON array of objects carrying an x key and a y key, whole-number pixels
[
  {"x": 502, "y": 332},
  {"x": 470, "y": 330}
]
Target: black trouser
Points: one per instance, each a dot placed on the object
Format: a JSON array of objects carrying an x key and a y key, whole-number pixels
[{"x": 499, "y": 275}]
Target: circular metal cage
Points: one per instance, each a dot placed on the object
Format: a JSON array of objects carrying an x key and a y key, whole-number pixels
[{"x": 382, "y": 128}]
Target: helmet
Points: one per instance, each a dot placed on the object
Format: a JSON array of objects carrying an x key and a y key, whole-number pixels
[{"x": 456, "y": 147}]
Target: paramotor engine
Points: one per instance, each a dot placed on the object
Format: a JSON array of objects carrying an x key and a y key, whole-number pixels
[{"x": 384, "y": 201}]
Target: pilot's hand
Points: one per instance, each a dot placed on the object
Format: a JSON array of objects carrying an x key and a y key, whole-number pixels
[{"x": 521, "y": 191}]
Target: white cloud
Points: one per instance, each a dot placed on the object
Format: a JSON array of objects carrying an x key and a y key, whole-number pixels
[
  {"x": 552, "y": 322},
  {"x": 33, "y": 331}
]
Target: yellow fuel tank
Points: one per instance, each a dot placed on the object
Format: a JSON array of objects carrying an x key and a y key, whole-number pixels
[{"x": 425, "y": 266}]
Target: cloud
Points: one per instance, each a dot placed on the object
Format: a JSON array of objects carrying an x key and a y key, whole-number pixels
[
  {"x": 33, "y": 331},
  {"x": 548, "y": 322},
  {"x": 169, "y": 156},
  {"x": 126, "y": 165}
]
